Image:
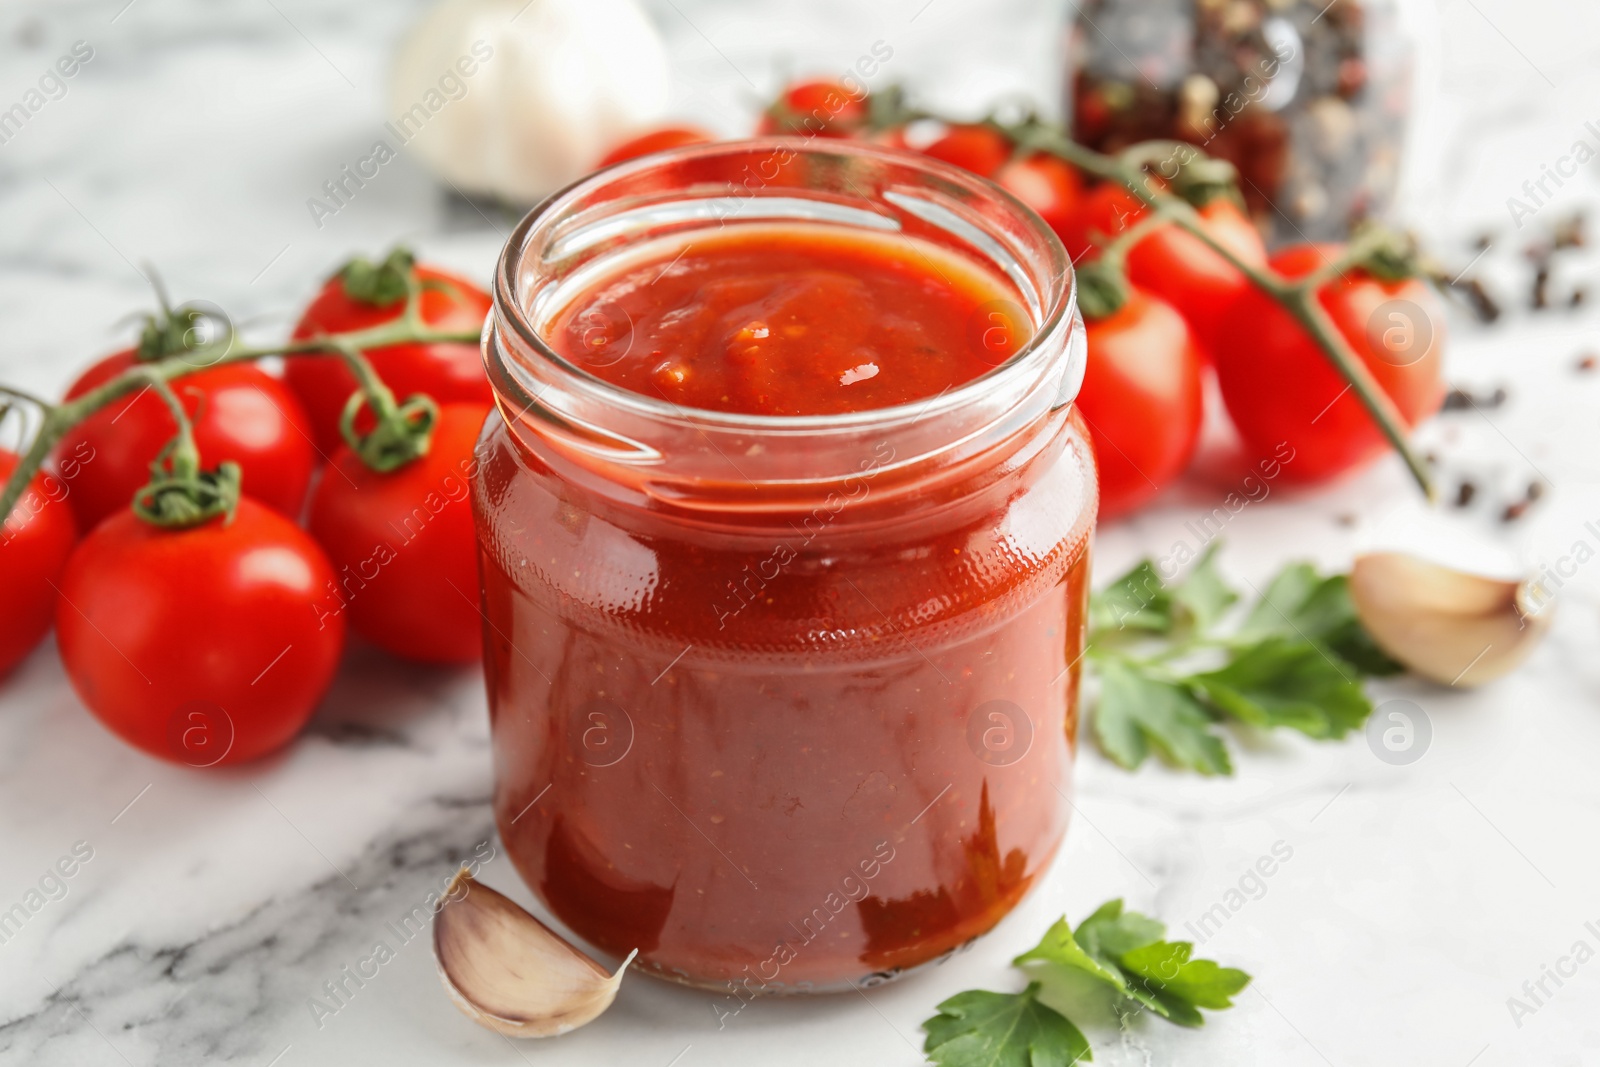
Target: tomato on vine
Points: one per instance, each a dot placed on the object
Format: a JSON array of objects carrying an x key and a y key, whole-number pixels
[
  {"x": 818, "y": 108},
  {"x": 403, "y": 543},
  {"x": 35, "y": 542},
  {"x": 363, "y": 295},
  {"x": 890, "y": 137},
  {"x": 1048, "y": 184},
  {"x": 981, "y": 149},
  {"x": 1172, "y": 264},
  {"x": 1142, "y": 391},
  {"x": 657, "y": 140},
  {"x": 205, "y": 644},
  {"x": 240, "y": 414},
  {"x": 1280, "y": 389}
]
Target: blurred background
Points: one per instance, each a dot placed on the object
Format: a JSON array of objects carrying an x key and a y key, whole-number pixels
[{"x": 198, "y": 131}]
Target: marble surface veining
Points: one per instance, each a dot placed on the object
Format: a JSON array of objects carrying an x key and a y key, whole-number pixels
[{"x": 209, "y": 914}]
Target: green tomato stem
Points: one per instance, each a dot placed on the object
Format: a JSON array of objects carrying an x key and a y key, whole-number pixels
[
  {"x": 22, "y": 394},
  {"x": 1298, "y": 297},
  {"x": 179, "y": 493},
  {"x": 59, "y": 418}
]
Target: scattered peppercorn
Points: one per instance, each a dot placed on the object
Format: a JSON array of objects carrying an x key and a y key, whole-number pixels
[
  {"x": 1484, "y": 307},
  {"x": 1517, "y": 509},
  {"x": 1541, "y": 287},
  {"x": 1459, "y": 399}
]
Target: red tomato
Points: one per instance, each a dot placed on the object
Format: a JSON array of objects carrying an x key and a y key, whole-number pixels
[
  {"x": 404, "y": 547},
  {"x": 239, "y": 413},
  {"x": 1141, "y": 397},
  {"x": 34, "y": 546},
  {"x": 816, "y": 108},
  {"x": 447, "y": 372},
  {"x": 1180, "y": 269},
  {"x": 890, "y": 137},
  {"x": 1107, "y": 210},
  {"x": 658, "y": 140},
  {"x": 1283, "y": 394},
  {"x": 206, "y": 645},
  {"x": 980, "y": 149},
  {"x": 1048, "y": 184},
  {"x": 1174, "y": 265}
]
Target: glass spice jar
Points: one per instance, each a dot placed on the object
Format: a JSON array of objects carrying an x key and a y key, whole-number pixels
[
  {"x": 785, "y": 703},
  {"x": 1312, "y": 101}
]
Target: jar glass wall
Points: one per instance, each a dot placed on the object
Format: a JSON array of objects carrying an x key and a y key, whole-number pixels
[{"x": 783, "y": 703}]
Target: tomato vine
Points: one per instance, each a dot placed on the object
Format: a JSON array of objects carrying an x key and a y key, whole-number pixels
[{"x": 179, "y": 493}]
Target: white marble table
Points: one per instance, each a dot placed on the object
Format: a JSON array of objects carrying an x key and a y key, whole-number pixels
[{"x": 215, "y": 905}]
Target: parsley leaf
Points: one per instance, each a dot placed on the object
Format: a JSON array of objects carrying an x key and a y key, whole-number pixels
[
  {"x": 1127, "y": 952},
  {"x": 1138, "y": 712},
  {"x": 1140, "y": 602},
  {"x": 1301, "y": 603},
  {"x": 1288, "y": 682},
  {"x": 1137, "y": 601},
  {"x": 983, "y": 1029},
  {"x": 1110, "y": 932},
  {"x": 1203, "y": 593},
  {"x": 1118, "y": 950},
  {"x": 1296, "y": 660}
]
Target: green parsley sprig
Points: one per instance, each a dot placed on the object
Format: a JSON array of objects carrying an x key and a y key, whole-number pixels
[
  {"x": 1171, "y": 671},
  {"x": 1119, "y": 952}
]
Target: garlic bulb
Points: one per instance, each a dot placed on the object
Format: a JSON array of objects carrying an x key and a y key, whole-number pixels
[
  {"x": 1447, "y": 625},
  {"x": 516, "y": 98},
  {"x": 510, "y": 972}
]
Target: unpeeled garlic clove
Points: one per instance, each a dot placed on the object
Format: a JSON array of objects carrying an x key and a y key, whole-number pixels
[
  {"x": 1447, "y": 625},
  {"x": 510, "y": 972}
]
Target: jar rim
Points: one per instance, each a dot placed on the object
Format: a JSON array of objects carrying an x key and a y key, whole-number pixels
[{"x": 1058, "y": 304}]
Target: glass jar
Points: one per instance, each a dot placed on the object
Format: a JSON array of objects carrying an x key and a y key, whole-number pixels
[
  {"x": 1310, "y": 100},
  {"x": 784, "y": 703}
]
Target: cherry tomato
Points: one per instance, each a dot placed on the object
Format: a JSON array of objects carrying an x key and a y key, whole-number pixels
[
  {"x": 1174, "y": 265},
  {"x": 816, "y": 108},
  {"x": 980, "y": 149},
  {"x": 1284, "y": 396},
  {"x": 239, "y": 413},
  {"x": 1048, "y": 184},
  {"x": 1106, "y": 211},
  {"x": 890, "y": 137},
  {"x": 34, "y": 546},
  {"x": 206, "y": 645},
  {"x": 404, "y": 547},
  {"x": 1141, "y": 397},
  {"x": 447, "y": 372},
  {"x": 658, "y": 140}
]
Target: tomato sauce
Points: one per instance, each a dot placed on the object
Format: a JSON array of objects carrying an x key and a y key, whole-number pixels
[
  {"x": 792, "y": 320},
  {"x": 811, "y": 744}
]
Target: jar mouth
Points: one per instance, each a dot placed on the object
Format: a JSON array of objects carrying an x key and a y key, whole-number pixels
[{"x": 711, "y": 185}]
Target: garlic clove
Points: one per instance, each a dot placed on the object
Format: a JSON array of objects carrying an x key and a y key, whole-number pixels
[
  {"x": 515, "y": 98},
  {"x": 1446, "y": 625},
  {"x": 510, "y": 972}
]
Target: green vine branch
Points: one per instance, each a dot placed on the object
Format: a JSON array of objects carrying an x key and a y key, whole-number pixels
[
  {"x": 1373, "y": 250},
  {"x": 402, "y": 430},
  {"x": 1200, "y": 177},
  {"x": 410, "y": 421},
  {"x": 179, "y": 492}
]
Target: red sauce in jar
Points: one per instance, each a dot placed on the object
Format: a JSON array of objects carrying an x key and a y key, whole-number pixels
[
  {"x": 792, "y": 320},
  {"x": 794, "y": 749}
]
